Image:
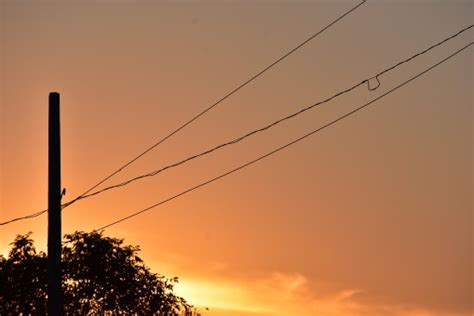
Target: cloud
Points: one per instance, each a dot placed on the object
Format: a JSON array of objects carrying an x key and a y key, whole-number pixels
[
  {"x": 284, "y": 294},
  {"x": 227, "y": 292}
]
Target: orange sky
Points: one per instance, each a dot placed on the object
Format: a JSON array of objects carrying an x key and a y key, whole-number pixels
[{"x": 371, "y": 217}]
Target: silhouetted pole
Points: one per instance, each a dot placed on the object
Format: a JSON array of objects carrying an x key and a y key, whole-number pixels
[{"x": 55, "y": 302}]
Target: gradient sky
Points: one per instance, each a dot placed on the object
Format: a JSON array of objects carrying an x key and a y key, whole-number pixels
[{"x": 370, "y": 217}]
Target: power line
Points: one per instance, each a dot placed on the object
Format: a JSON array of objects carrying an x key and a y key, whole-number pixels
[
  {"x": 194, "y": 118},
  {"x": 36, "y": 214},
  {"x": 239, "y": 139},
  {"x": 425, "y": 51},
  {"x": 271, "y": 125},
  {"x": 224, "y": 98},
  {"x": 286, "y": 145},
  {"x": 209, "y": 151}
]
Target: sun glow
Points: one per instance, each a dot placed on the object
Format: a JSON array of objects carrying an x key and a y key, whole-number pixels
[{"x": 281, "y": 294}]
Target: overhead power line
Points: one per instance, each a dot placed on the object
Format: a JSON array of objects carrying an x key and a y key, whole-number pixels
[
  {"x": 194, "y": 118},
  {"x": 271, "y": 125},
  {"x": 33, "y": 215},
  {"x": 286, "y": 145},
  {"x": 239, "y": 139},
  {"x": 207, "y": 109}
]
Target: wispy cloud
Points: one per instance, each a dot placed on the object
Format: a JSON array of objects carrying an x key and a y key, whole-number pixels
[{"x": 285, "y": 294}]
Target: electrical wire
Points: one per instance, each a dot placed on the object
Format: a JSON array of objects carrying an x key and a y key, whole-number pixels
[
  {"x": 237, "y": 140},
  {"x": 242, "y": 85},
  {"x": 36, "y": 214},
  {"x": 271, "y": 125},
  {"x": 348, "y": 114},
  {"x": 194, "y": 118}
]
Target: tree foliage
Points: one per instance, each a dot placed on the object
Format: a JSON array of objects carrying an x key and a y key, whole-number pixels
[{"x": 100, "y": 274}]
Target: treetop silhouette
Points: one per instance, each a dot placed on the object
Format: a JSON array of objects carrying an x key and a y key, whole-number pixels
[{"x": 100, "y": 275}]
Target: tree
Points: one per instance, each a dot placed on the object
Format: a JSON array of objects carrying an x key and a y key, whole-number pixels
[
  {"x": 100, "y": 275},
  {"x": 23, "y": 279}
]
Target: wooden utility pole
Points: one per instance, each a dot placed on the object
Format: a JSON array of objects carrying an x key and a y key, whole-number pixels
[{"x": 55, "y": 300}]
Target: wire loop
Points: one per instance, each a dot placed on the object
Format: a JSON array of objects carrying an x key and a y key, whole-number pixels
[{"x": 369, "y": 85}]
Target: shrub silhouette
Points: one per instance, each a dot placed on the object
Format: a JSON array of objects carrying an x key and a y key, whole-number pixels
[{"x": 100, "y": 275}]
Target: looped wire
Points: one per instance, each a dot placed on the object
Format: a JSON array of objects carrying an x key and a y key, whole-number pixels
[{"x": 369, "y": 85}]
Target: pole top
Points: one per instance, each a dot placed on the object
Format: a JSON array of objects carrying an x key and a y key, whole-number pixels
[{"x": 54, "y": 98}]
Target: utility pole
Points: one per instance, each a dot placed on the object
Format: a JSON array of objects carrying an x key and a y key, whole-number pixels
[{"x": 55, "y": 300}]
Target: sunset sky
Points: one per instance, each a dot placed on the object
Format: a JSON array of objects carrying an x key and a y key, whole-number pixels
[{"x": 370, "y": 217}]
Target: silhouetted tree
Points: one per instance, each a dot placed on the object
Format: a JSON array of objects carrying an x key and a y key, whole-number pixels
[
  {"x": 100, "y": 275},
  {"x": 23, "y": 279}
]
